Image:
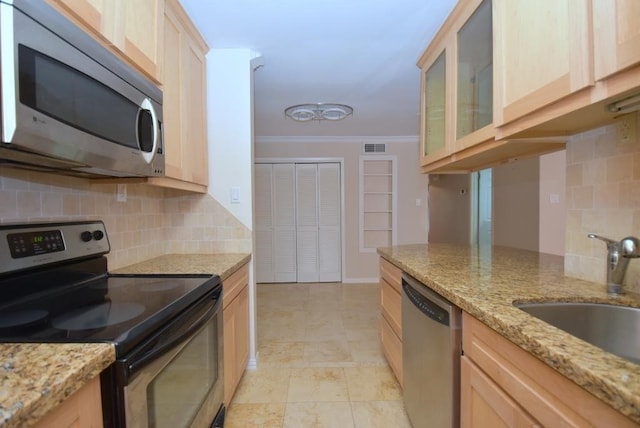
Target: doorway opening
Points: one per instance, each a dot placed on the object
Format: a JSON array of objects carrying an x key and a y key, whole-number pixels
[{"x": 481, "y": 208}]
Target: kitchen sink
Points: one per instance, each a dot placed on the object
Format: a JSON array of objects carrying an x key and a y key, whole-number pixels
[{"x": 616, "y": 329}]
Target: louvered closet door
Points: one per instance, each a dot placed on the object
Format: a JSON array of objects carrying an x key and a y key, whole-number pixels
[
  {"x": 307, "y": 222},
  {"x": 265, "y": 271},
  {"x": 298, "y": 222},
  {"x": 284, "y": 223},
  {"x": 329, "y": 236},
  {"x": 318, "y": 222}
]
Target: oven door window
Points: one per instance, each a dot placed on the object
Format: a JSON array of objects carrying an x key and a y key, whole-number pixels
[{"x": 176, "y": 394}]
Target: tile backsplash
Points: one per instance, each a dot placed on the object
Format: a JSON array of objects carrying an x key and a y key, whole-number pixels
[
  {"x": 603, "y": 197},
  {"x": 151, "y": 222}
]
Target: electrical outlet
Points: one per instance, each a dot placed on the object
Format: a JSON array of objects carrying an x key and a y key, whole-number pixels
[{"x": 626, "y": 127}]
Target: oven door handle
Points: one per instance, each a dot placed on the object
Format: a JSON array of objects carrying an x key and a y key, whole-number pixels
[{"x": 174, "y": 334}]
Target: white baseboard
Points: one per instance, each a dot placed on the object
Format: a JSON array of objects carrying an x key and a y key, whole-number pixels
[
  {"x": 360, "y": 280},
  {"x": 252, "y": 364}
]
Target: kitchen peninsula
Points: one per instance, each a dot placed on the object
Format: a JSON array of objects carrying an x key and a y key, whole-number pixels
[{"x": 485, "y": 282}]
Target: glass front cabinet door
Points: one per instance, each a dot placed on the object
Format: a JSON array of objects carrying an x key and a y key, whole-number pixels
[
  {"x": 457, "y": 86},
  {"x": 474, "y": 83},
  {"x": 434, "y": 105}
]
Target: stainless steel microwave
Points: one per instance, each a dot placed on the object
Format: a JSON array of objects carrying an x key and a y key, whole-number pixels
[{"x": 68, "y": 105}]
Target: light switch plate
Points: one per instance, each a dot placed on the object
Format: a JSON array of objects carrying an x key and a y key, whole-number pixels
[{"x": 234, "y": 193}]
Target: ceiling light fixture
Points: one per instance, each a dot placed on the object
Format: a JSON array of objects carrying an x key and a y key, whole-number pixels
[{"x": 318, "y": 111}]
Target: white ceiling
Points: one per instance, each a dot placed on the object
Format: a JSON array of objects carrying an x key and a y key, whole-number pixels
[{"x": 357, "y": 52}]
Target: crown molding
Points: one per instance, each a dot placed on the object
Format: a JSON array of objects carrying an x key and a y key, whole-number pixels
[{"x": 335, "y": 139}]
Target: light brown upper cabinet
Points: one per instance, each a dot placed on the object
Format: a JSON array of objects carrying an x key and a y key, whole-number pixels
[
  {"x": 616, "y": 36},
  {"x": 561, "y": 63},
  {"x": 159, "y": 39},
  {"x": 542, "y": 54},
  {"x": 521, "y": 76},
  {"x": 434, "y": 114},
  {"x": 474, "y": 78},
  {"x": 457, "y": 100},
  {"x": 133, "y": 28},
  {"x": 457, "y": 81},
  {"x": 184, "y": 103}
]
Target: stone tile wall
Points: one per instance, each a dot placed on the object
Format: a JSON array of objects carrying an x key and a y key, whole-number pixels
[
  {"x": 152, "y": 222},
  {"x": 603, "y": 197}
]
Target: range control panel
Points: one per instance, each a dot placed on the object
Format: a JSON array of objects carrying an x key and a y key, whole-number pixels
[
  {"x": 24, "y": 246},
  {"x": 27, "y": 244}
]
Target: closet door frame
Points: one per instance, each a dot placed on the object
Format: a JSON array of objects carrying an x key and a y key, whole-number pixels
[{"x": 338, "y": 160}]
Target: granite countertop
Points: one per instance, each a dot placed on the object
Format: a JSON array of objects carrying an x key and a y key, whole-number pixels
[
  {"x": 36, "y": 377},
  {"x": 485, "y": 282},
  {"x": 223, "y": 264}
]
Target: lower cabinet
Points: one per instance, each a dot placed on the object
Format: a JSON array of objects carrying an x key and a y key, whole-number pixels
[
  {"x": 391, "y": 320},
  {"x": 504, "y": 386},
  {"x": 235, "y": 315},
  {"x": 82, "y": 409},
  {"x": 485, "y": 404}
]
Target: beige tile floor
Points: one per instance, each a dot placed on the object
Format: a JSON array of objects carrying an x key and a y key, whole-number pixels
[{"x": 320, "y": 362}]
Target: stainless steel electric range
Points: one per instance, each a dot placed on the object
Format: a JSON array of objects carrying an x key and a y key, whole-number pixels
[{"x": 166, "y": 329}]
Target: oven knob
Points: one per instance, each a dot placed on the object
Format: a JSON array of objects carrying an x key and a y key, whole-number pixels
[
  {"x": 86, "y": 236},
  {"x": 98, "y": 235}
]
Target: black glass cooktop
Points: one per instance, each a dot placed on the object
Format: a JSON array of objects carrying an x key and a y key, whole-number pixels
[
  {"x": 55, "y": 287},
  {"x": 122, "y": 309}
]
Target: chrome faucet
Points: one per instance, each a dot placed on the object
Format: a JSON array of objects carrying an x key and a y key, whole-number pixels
[{"x": 618, "y": 257}]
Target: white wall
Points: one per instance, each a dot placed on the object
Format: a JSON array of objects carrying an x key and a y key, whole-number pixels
[
  {"x": 412, "y": 219},
  {"x": 553, "y": 206},
  {"x": 529, "y": 204},
  {"x": 516, "y": 204},
  {"x": 230, "y": 125},
  {"x": 449, "y": 208},
  {"x": 230, "y": 132}
]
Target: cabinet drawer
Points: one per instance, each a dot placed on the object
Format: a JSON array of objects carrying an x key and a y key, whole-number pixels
[
  {"x": 545, "y": 394},
  {"x": 391, "y": 274},
  {"x": 485, "y": 404},
  {"x": 392, "y": 348},
  {"x": 391, "y": 306},
  {"x": 234, "y": 284}
]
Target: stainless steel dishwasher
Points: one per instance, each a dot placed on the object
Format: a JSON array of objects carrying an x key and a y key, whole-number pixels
[{"x": 431, "y": 346}]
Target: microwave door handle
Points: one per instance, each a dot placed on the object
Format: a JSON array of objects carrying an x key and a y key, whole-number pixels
[{"x": 147, "y": 106}]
